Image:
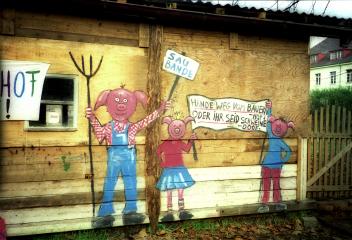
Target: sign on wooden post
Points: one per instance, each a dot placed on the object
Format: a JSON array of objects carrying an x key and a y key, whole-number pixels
[{"x": 180, "y": 65}]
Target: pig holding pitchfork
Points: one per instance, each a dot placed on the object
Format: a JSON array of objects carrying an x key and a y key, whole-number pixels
[{"x": 120, "y": 134}]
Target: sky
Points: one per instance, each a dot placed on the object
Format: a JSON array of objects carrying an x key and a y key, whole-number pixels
[{"x": 332, "y": 8}]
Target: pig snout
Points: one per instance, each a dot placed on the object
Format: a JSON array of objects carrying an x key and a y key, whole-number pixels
[
  {"x": 121, "y": 107},
  {"x": 177, "y": 129}
]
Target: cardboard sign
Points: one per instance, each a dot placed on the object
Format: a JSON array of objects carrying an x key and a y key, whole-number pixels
[
  {"x": 227, "y": 113},
  {"x": 21, "y": 85},
  {"x": 180, "y": 65}
]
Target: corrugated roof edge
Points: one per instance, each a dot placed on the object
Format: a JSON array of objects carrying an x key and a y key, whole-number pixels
[{"x": 278, "y": 14}]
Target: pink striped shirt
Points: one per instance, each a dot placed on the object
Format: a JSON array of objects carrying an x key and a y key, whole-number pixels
[{"x": 105, "y": 132}]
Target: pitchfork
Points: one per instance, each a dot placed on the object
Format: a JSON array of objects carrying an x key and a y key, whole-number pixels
[{"x": 88, "y": 77}]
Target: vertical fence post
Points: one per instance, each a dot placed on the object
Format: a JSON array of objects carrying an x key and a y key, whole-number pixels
[{"x": 302, "y": 169}]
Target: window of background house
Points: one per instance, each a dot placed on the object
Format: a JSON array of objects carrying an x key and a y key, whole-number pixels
[
  {"x": 58, "y": 106},
  {"x": 333, "y": 77},
  {"x": 349, "y": 75},
  {"x": 317, "y": 78},
  {"x": 332, "y": 55},
  {"x": 313, "y": 59}
]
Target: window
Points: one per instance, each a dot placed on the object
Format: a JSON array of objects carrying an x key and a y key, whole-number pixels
[
  {"x": 313, "y": 58},
  {"x": 58, "y": 106},
  {"x": 333, "y": 77},
  {"x": 338, "y": 54},
  {"x": 332, "y": 55},
  {"x": 317, "y": 78},
  {"x": 349, "y": 75},
  {"x": 335, "y": 55}
]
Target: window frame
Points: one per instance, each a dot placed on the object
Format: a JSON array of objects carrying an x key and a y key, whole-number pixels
[
  {"x": 318, "y": 79},
  {"x": 47, "y": 128},
  {"x": 349, "y": 76},
  {"x": 333, "y": 77}
]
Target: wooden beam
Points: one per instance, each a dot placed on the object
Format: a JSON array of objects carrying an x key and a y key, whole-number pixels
[
  {"x": 234, "y": 40},
  {"x": 61, "y": 200},
  {"x": 144, "y": 35},
  {"x": 302, "y": 169},
  {"x": 252, "y": 208},
  {"x": 153, "y": 130},
  {"x": 7, "y": 22},
  {"x": 329, "y": 165},
  {"x": 329, "y": 188}
]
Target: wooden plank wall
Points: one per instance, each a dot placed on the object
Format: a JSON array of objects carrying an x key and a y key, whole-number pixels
[{"x": 37, "y": 194}]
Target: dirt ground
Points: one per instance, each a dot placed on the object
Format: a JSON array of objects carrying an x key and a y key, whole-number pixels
[
  {"x": 290, "y": 226},
  {"x": 308, "y": 225}
]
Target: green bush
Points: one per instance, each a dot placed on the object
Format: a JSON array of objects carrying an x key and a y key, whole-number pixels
[{"x": 341, "y": 96}]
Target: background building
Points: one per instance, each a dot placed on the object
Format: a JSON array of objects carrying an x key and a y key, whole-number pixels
[{"x": 330, "y": 64}]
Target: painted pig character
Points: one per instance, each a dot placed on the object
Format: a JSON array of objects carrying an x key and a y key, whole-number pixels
[
  {"x": 120, "y": 134},
  {"x": 175, "y": 175},
  {"x": 278, "y": 154}
]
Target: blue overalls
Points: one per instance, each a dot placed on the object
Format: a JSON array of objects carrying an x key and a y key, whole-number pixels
[{"x": 121, "y": 159}]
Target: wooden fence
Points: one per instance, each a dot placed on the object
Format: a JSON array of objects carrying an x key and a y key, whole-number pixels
[{"x": 329, "y": 169}]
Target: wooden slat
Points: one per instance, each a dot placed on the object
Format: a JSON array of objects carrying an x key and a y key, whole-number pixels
[
  {"x": 327, "y": 119},
  {"x": 43, "y": 214},
  {"x": 239, "y": 172},
  {"x": 57, "y": 187},
  {"x": 349, "y": 122},
  {"x": 326, "y": 160},
  {"x": 310, "y": 151},
  {"x": 69, "y": 199},
  {"x": 333, "y": 121},
  {"x": 54, "y": 171},
  {"x": 330, "y": 188},
  {"x": 315, "y": 124},
  {"x": 348, "y": 168},
  {"x": 316, "y": 160},
  {"x": 225, "y": 199},
  {"x": 321, "y": 148}
]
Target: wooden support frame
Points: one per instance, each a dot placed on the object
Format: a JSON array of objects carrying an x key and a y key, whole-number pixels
[
  {"x": 302, "y": 169},
  {"x": 152, "y": 132}
]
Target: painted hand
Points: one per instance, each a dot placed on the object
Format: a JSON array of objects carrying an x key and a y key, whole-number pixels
[
  {"x": 165, "y": 105},
  {"x": 193, "y": 136},
  {"x": 269, "y": 104},
  {"x": 89, "y": 113}
]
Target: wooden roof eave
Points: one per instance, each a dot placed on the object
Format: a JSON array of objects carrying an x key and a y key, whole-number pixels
[{"x": 105, "y": 9}]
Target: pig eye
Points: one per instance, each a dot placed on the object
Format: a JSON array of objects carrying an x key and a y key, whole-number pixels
[
  {"x": 117, "y": 99},
  {"x": 125, "y": 100}
]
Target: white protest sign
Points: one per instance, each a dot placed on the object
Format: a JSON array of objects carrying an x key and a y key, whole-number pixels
[
  {"x": 180, "y": 65},
  {"x": 21, "y": 88},
  {"x": 226, "y": 113}
]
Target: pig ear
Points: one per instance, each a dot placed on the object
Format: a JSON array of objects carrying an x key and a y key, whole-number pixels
[
  {"x": 167, "y": 120},
  {"x": 188, "y": 119},
  {"x": 101, "y": 101},
  {"x": 141, "y": 97},
  {"x": 272, "y": 119},
  {"x": 290, "y": 124}
]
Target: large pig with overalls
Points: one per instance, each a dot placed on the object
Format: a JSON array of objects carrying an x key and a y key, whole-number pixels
[{"x": 119, "y": 135}]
